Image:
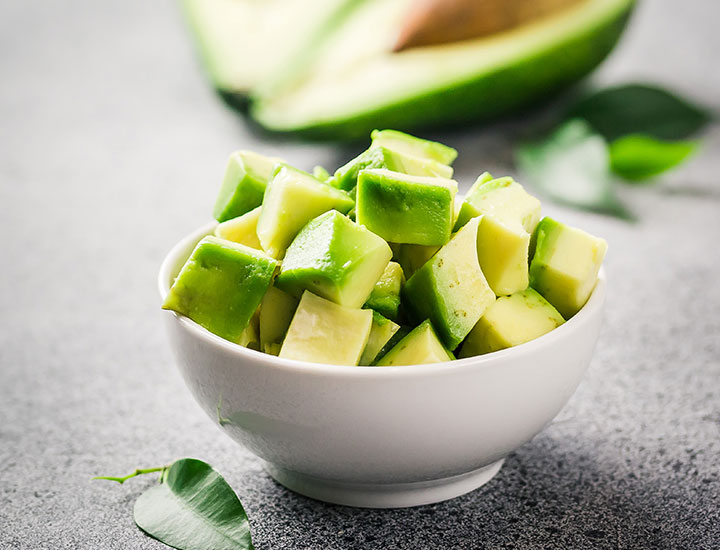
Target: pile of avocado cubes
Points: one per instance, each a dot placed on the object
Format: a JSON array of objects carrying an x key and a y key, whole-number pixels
[{"x": 378, "y": 264}]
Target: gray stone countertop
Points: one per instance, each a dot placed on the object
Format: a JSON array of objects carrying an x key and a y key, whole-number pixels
[{"x": 111, "y": 148}]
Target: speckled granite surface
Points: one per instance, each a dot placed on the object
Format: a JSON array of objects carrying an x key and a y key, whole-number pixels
[{"x": 111, "y": 147}]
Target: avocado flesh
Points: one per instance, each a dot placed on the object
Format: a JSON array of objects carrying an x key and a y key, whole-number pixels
[
  {"x": 221, "y": 285},
  {"x": 238, "y": 39},
  {"x": 420, "y": 347},
  {"x": 324, "y": 332},
  {"x": 293, "y": 198},
  {"x": 243, "y": 186},
  {"x": 450, "y": 289},
  {"x": 381, "y": 331},
  {"x": 406, "y": 209},
  {"x": 335, "y": 258},
  {"x": 414, "y": 146},
  {"x": 509, "y": 216},
  {"x": 276, "y": 312},
  {"x": 250, "y": 337},
  {"x": 242, "y": 229},
  {"x": 385, "y": 295},
  {"x": 565, "y": 266},
  {"x": 355, "y": 85},
  {"x": 510, "y": 321},
  {"x": 412, "y": 257},
  {"x": 379, "y": 156}
]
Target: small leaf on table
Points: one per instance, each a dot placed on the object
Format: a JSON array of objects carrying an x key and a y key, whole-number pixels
[
  {"x": 572, "y": 166},
  {"x": 638, "y": 157},
  {"x": 194, "y": 509},
  {"x": 640, "y": 109}
]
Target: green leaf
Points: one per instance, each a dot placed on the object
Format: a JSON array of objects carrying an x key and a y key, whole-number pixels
[
  {"x": 193, "y": 509},
  {"x": 640, "y": 109},
  {"x": 638, "y": 157},
  {"x": 572, "y": 166}
]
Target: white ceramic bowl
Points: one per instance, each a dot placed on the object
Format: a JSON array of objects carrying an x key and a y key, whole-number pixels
[{"x": 381, "y": 437}]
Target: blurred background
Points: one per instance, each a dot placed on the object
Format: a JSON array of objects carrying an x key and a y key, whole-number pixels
[{"x": 113, "y": 141}]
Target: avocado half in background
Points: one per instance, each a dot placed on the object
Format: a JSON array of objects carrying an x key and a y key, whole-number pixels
[{"x": 328, "y": 68}]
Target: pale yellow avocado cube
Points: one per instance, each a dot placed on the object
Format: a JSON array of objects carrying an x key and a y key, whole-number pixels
[
  {"x": 323, "y": 332},
  {"x": 412, "y": 257},
  {"x": 510, "y": 215},
  {"x": 242, "y": 229},
  {"x": 380, "y": 333},
  {"x": 565, "y": 266},
  {"x": 503, "y": 255},
  {"x": 250, "y": 337},
  {"x": 276, "y": 312},
  {"x": 510, "y": 321}
]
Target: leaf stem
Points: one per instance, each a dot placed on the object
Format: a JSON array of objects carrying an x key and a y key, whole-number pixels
[{"x": 136, "y": 473}]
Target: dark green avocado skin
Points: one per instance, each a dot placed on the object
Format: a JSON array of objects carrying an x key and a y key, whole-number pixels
[{"x": 497, "y": 93}]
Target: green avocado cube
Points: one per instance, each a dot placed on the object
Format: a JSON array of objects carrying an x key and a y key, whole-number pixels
[
  {"x": 414, "y": 146},
  {"x": 509, "y": 215},
  {"x": 291, "y": 200},
  {"x": 381, "y": 331},
  {"x": 276, "y": 312},
  {"x": 321, "y": 174},
  {"x": 422, "y": 346},
  {"x": 221, "y": 285},
  {"x": 450, "y": 289},
  {"x": 335, "y": 258},
  {"x": 250, "y": 337},
  {"x": 510, "y": 321},
  {"x": 382, "y": 157},
  {"x": 502, "y": 198},
  {"x": 406, "y": 209},
  {"x": 322, "y": 331},
  {"x": 412, "y": 257},
  {"x": 565, "y": 266},
  {"x": 385, "y": 295},
  {"x": 243, "y": 186},
  {"x": 242, "y": 229}
]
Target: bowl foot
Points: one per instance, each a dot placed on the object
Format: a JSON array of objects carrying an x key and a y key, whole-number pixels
[{"x": 384, "y": 495}]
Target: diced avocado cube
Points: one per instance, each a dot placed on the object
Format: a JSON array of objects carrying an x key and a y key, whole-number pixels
[
  {"x": 221, "y": 285},
  {"x": 420, "y": 347},
  {"x": 565, "y": 265},
  {"x": 381, "y": 331},
  {"x": 450, "y": 289},
  {"x": 335, "y": 258},
  {"x": 276, "y": 312},
  {"x": 323, "y": 332},
  {"x": 406, "y": 209},
  {"x": 250, "y": 337},
  {"x": 401, "y": 333},
  {"x": 509, "y": 215},
  {"x": 414, "y": 146},
  {"x": 412, "y": 257},
  {"x": 242, "y": 229},
  {"x": 243, "y": 186},
  {"x": 292, "y": 199},
  {"x": 503, "y": 255},
  {"x": 502, "y": 198},
  {"x": 378, "y": 157},
  {"x": 320, "y": 174},
  {"x": 385, "y": 295},
  {"x": 510, "y": 321}
]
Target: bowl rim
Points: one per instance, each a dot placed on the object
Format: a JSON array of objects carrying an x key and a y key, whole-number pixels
[{"x": 592, "y": 307}]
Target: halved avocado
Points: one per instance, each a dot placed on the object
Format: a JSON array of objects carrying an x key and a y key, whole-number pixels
[
  {"x": 238, "y": 39},
  {"x": 354, "y": 84}
]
